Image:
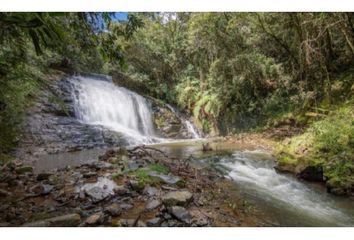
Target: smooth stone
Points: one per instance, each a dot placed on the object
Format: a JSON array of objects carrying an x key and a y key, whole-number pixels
[
  {"x": 181, "y": 198},
  {"x": 168, "y": 179}
]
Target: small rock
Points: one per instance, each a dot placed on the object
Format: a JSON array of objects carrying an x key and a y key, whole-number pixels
[
  {"x": 151, "y": 191},
  {"x": 70, "y": 220},
  {"x": 154, "y": 222},
  {"x": 4, "y": 193},
  {"x": 114, "y": 210},
  {"x": 136, "y": 186},
  {"x": 126, "y": 206},
  {"x": 41, "y": 189},
  {"x": 180, "y": 213},
  {"x": 181, "y": 198},
  {"x": 131, "y": 222},
  {"x": 23, "y": 169},
  {"x": 168, "y": 179},
  {"x": 95, "y": 219},
  {"x": 43, "y": 176},
  {"x": 151, "y": 205},
  {"x": 120, "y": 190}
]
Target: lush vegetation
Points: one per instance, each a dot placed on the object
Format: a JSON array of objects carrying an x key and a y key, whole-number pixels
[
  {"x": 230, "y": 71},
  {"x": 237, "y": 70},
  {"x": 32, "y": 45}
]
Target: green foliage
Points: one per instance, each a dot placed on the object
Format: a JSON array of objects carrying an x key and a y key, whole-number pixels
[{"x": 241, "y": 66}]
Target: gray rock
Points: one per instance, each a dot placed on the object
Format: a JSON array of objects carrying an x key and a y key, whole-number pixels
[
  {"x": 154, "y": 222},
  {"x": 114, "y": 210},
  {"x": 136, "y": 186},
  {"x": 126, "y": 206},
  {"x": 181, "y": 198},
  {"x": 168, "y": 179},
  {"x": 70, "y": 220},
  {"x": 151, "y": 205},
  {"x": 100, "y": 190},
  {"x": 180, "y": 213},
  {"x": 151, "y": 191}
]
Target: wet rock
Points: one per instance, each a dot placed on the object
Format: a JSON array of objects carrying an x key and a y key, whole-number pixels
[
  {"x": 312, "y": 173},
  {"x": 285, "y": 167},
  {"x": 151, "y": 205},
  {"x": 23, "y": 169},
  {"x": 114, "y": 210},
  {"x": 181, "y": 198},
  {"x": 70, "y": 220},
  {"x": 43, "y": 176},
  {"x": 154, "y": 222},
  {"x": 168, "y": 179},
  {"x": 100, "y": 190},
  {"x": 180, "y": 213},
  {"x": 95, "y": 219}
]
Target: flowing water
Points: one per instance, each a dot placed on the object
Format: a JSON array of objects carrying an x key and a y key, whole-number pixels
[
  {"x": 287, "y": 200},
  {"x": 282, "y": 198},
  {"x": 100, "y": 102}
]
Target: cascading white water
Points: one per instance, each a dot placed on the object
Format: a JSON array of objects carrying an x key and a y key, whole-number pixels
[
  {"x": 189, "y": 126},
  {"x": 100, "y": 102},
  {"x": 257, "y": 175},
  {"x": 191, "y": 129}
]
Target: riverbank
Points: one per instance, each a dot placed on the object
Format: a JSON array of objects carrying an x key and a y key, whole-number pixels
[{"x": 141, "y": 186}]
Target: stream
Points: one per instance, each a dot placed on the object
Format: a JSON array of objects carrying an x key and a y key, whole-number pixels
[{"x": 283, "y": 199}]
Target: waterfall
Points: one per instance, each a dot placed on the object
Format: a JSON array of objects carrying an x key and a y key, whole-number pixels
[
  {"x": 99, "y": 102},
  {"x": 191, "y": 129}
]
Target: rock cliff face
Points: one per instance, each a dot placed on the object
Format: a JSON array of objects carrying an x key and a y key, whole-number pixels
[{"x": 50, "y": 125}]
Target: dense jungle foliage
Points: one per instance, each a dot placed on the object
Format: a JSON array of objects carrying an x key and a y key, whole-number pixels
[{"x": 230, "y": 71}]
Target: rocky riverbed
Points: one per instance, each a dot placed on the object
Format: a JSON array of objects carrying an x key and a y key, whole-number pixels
[{"x": 134, "y": 187}]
